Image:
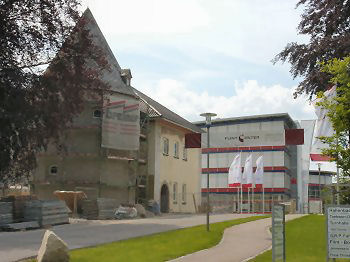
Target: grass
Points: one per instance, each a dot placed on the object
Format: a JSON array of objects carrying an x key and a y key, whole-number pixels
[
  {"x": 159, "y": 247},
  {"x": 305, "y": 241}
]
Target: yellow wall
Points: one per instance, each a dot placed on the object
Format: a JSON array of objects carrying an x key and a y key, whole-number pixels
[{"x": 169, "y": 169}]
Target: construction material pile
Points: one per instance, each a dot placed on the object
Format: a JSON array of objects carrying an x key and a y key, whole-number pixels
[
  {"x": 100, "y": 208},
  {"x": 18, "y": 203},
  {"x": 5, "y": 213},
  {"x": 48, "y": 212}
]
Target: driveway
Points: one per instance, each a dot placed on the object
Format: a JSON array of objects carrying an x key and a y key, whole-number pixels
[{"x": 82, "y": 233}]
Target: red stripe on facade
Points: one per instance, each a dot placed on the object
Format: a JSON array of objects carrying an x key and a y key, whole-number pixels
[
  {"x": 242, "y": 148},
  {"x": 236, "y": 189},
  {"x": 225, "y": 169},
  {"x": 135, "y": 106},
  {"x": 315, "y": 184},
  {"x": 319, "y": 157}
]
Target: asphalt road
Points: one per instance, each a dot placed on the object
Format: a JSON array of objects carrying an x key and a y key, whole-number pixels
[{"x": 18, "y": 245}]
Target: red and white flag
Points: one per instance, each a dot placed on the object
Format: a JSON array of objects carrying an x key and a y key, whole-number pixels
[
  {"x": 247, "y": 177},
  {"x": 323, "y": 127},
  {"x": 259, "y": 173},
  {"x": 235, "y": 172}
]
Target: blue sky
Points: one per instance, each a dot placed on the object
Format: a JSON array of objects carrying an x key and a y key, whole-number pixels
[{"x": 202, "y": 55}]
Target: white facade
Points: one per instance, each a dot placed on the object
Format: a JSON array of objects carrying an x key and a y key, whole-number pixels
[{"x": 256, "y": 135}]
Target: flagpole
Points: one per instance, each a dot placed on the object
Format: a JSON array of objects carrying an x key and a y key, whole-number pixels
[
  {"x": 253, "y": 198},
  {"x": 263, "y": 188},
  {"x": 240, "y": 159},
  {"x": 241, "y": 198},
  {"x": 248, "y": 201}
]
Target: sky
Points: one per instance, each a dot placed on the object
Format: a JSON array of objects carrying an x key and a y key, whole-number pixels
[{"x": 196, "y": 56}]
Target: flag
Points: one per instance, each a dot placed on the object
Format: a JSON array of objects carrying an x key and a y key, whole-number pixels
[
  {"x": 247, "y": 177},
  {"x": 259, "y": 172},
  {"x": 235, "y": 172},
  {"x": 323, "y": 127}
]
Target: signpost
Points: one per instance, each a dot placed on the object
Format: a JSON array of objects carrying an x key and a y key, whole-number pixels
[
  {"x": 338, "y": 231},
  {"x": 278, "y": 233}
]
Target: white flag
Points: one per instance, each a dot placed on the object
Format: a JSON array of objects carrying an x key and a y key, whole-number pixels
[
  {"x": 323, "y": 126},
  {"x": 247, "y": 177},
  {"x": 259, "y": 172},
  {"x": 235, "y": 172}
]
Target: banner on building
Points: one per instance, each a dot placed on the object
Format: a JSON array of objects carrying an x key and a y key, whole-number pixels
[
  {"x": 294, "y": 136},
  {"x": 193, "y": 140},
  {"x": 246, "y": 138},
  {"x": 121, "y": 123}
]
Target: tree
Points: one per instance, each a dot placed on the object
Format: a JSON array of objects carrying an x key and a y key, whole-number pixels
[
  {"x": 44, "y": 77},
  {"x": 327, "y": 24},
  {"x": 338, "y": 113}
]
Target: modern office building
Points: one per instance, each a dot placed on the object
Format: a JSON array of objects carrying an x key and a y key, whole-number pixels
[{"x": 260, "y": 135}]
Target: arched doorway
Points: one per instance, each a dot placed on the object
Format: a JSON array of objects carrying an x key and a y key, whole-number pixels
[{"x": 164, "y": 199}]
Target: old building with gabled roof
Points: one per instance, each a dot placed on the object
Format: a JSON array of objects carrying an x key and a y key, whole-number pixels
[{"x": 125, "y": 146}]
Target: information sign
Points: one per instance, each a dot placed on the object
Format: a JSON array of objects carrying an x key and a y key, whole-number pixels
[
  {"x": 338, "y": 231},
  {"x": 278, "y": 233}
]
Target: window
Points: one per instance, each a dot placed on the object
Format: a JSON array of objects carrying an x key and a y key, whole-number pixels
[
  {"x": 53, "y": 170},
  {"x": 165, "y": 146},
  {"x": 175, "y": 193},
  {"x": 183, "y": 193},
  {"x": 176, "y": 150},
  {"x": 184, "y": 154},
  {"x": 97, "y": 113}
]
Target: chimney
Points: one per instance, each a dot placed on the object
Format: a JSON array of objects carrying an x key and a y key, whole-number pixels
[{"x": 126, "y": 76}]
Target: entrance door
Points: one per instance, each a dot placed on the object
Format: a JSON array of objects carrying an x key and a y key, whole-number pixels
[{"x": 164, "y": 199}]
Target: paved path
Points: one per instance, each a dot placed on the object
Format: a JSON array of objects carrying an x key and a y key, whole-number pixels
[
  {"x": 18, "y": 245},
  {"x": 239, "y": 243}
]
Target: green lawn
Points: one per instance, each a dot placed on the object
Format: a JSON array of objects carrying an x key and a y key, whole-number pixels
[
  {"x": 305, "y": 241},
  {"x": 159, "y": 247}
]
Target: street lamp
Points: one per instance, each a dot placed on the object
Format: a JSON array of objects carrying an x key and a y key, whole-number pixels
[
  {"x": 319, "y": 185},
  {"x": 208, "y": 117}
]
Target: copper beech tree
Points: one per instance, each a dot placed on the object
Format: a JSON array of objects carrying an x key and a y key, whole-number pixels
[
  {"x": 44, "y": 77},
  {"x": 327, "y": 24}
]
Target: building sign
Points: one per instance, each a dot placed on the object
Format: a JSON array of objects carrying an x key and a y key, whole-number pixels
[
  {"x": 278, "y": 233},
  {"x": 246, "y": 138},
  {"x": 121, "y": 123},
  {"x": 338, "y": 231}
]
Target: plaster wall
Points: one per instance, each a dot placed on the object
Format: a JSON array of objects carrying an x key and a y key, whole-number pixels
[{"x": 176, "y": 172}]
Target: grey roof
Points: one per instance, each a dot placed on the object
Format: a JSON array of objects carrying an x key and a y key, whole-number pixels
[
  {"x": 254, "y": 118},
  {"x": 157, "y": 110},
  {"x": 112, "y": 76}
]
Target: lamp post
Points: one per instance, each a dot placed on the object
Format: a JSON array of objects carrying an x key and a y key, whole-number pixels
[
  {"x": 319, "y": 185},
  {"x": 208, "y": 117}
]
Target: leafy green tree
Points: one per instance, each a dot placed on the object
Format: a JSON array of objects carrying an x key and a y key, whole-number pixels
[
  {"x": 43, "y": 77},
  {"x": 338, "y": 113}
]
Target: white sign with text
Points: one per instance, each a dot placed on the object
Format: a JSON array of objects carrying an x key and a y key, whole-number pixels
[{"x": 338, "y": 231}]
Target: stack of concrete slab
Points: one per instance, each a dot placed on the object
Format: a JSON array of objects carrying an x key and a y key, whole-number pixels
[
  {"x": 5, "y": 213},
  {"x": 100, "y": 208},
  {"x": 48, "y": 212},
  {"x": 18, "y": 205}
]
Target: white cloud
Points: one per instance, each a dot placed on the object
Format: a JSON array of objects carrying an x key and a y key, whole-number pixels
[
  {"x": 249, "y": 98},
  {"x": 117, "y": 17}
]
